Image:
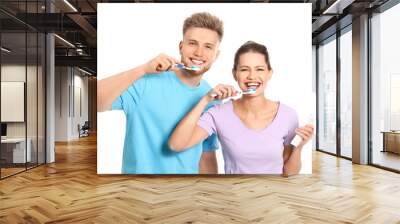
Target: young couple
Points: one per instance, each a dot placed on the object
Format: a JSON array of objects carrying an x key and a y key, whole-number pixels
[{"x": 173, "y": 124}]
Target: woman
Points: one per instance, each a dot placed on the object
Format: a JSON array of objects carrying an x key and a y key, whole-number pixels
[{"x": 255, "y": 132}]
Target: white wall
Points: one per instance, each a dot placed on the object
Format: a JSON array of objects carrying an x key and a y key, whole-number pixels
[
  {"x": 68, "y": 82},
  {"x": 80, "y": 81},
  {"x": 61, "y": 103}
]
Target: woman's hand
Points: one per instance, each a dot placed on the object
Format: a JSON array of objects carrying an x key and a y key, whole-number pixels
[
  {"x": 306, "y": 132},
  {"x": 221, "y": 92}
]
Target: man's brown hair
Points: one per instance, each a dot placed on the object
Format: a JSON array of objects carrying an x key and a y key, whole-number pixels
[{"x": 204, "y": 20}]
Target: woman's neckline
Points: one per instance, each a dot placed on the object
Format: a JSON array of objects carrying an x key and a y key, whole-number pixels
[{"x": 252, "y": 129}]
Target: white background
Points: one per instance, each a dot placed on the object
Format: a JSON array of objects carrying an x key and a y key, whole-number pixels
[{"x": 132, "y": 34}]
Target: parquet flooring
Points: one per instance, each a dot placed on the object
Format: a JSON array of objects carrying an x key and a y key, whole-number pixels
[
  {"x": 70, "y": 191},
  {"x": 9, "y": 171}
]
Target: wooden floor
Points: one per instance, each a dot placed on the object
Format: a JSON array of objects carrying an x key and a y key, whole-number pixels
[
  {"x": 70, "y": 191},
  {"x": 10, "y": 171},
  {"x": 387, "y": 159},
  {"x": 5, "y": 172}
]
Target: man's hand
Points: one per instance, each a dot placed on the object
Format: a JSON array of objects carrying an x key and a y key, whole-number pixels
[{"x": 160, "y": 63}]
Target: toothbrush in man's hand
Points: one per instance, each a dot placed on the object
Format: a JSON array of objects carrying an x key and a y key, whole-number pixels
[{"x": 192, "y": 68}]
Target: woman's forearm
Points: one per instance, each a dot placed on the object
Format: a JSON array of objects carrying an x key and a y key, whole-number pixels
[
  {"x": 208, "y": 163},
  {"x": 293, "y": 163},
  {"x": 185, "y": 134},
  {"x": 109, "y": 89}
]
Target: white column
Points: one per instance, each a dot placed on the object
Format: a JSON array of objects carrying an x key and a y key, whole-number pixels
[
  {"x": 50, "y": 93},
  {"x": 50, "y": 100},
  {"x": 360, "y": 90}
]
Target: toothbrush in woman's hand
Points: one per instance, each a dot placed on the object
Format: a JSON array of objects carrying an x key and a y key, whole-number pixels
[{"x": 249, "y": 91}]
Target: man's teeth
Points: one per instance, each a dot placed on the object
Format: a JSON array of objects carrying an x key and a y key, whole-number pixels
[{"x": 197, "y": 62}]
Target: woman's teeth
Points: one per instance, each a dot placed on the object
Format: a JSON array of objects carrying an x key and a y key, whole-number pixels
[{"x": 252, "y": 85}]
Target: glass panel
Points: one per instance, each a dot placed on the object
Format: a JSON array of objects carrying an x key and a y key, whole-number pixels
[
  {"x": 386, "y": 89},
  {"x": 13, "y": 87},
  {"x": 41, "y": 98},
  {"x": 327, "y": 96},
  {"x": 314, "y": 85},
  {"x": 31, "y": 100},
  {"x": 23, "y": 87},
  {"x": 346, "y": 94}
]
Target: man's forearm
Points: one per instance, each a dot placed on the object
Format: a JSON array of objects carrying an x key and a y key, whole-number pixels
[{"x": 110, "y": 88}]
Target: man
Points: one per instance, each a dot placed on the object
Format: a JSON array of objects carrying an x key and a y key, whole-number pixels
[{"x": 156, "y": 95}]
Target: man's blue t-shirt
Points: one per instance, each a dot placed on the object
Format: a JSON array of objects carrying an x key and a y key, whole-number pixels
[{"x": 153, "y": 106}]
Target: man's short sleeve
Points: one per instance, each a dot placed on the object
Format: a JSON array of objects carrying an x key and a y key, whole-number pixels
[
  {"x": 211, "y": 143},
  {"x": 130, "y": 98}
]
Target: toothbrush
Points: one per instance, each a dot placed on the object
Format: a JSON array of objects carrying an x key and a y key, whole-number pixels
[
  {"x": 249, "y": 91},
  {"x": 192, "y": 68},
  {"x": 297, "y": 139}
]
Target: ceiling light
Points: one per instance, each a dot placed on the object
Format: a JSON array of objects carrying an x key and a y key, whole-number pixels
[
  {"x": 70, "y": 5},
  {"x": 5, "y": 50},
  {"x": 64, "y": 40},
  {"x": 338, "y": 6},
  {"x": 84, "y": 71}
]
